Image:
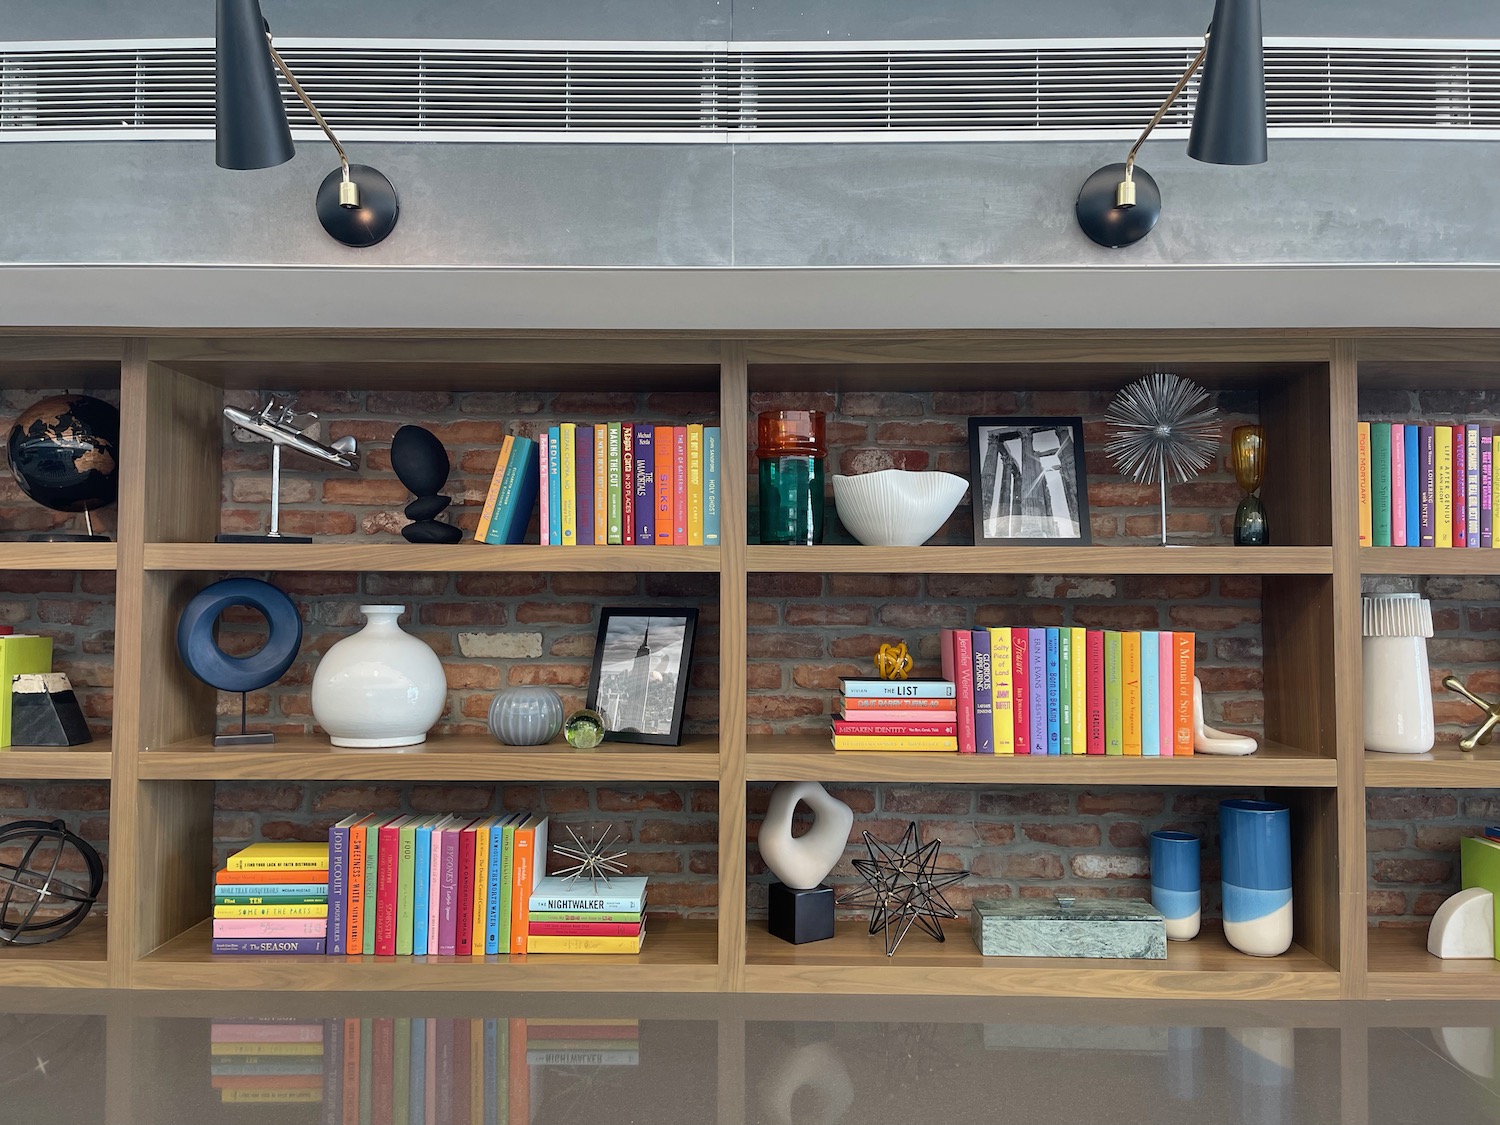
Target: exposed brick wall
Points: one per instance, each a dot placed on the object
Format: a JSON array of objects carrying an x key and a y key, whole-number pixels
[
  {"x": 83, "y": 806},
  {"x": 1412, "y": 837}
]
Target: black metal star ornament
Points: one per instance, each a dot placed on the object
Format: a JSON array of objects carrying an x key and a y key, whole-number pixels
[{"x": 903, "y": 887}]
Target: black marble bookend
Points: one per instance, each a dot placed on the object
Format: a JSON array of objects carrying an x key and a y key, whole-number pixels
[
  {"x": 800, "y": 916},
  {"x": 45, "y": 712}
]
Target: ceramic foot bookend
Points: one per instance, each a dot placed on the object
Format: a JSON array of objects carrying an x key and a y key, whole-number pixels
[
  {"x": 1208, "y": 740},
  {"x": 1464, "y": 926}
]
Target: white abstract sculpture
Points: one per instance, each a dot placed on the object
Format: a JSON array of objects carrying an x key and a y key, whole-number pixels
[
  {"x": 1464, "y": 926},
  {"x": 1208, "y": 740},
  {"x": 803, "y": 862}
]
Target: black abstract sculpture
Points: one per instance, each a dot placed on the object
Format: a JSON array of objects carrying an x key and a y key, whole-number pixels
[
  {"x": 903, "y": 887},
  {"x": 422, "y": 464},
  {"x": 36, "y": 905}
]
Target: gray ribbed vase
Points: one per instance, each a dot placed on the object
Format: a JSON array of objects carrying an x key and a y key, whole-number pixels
[{"x": 526, "y": 716}]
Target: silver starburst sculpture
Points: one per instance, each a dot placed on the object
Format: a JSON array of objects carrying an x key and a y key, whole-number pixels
[
  {"x": 591, "y": 858},
  {"x": 903, "y": 888},
  {"x": 1164, "y": 428}
]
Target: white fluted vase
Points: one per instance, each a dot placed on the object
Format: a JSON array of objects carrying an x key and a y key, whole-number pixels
[
  {"x": 1398, "y": 686},
  {"x": 382, "y": 687}
]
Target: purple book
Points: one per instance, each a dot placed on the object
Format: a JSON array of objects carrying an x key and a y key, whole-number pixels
[
  {"x": 268, "y": 945},
  {"x": 1036, "y": 688},
  {"x": 448, "y": 892},
  {"x": 1428, "y": 484},
  {"x": 645, "y": 487},
  {"x": 984, "y": 700},
  {"x": 1486, "y": 484},
  {"x": 583, "y": 487},
  {"x": 338, "y": 883}
]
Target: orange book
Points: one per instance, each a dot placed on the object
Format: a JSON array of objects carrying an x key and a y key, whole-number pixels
[
  {"x": 237, "y": 878},
  {"x": 662, "y": 439},
  {"x": 267, "y": 1081},
  {"x": 487, "y": 513},
  {"x": 1182, "y": 693},
  {"x": 1130, "y": 692},
  {"x": 519, "y": 1085},
  {"x": 679, "y": 486},
  {"x": 354, "y": 930},
  {"x": 601, "y": 486},
  {"x": 530, "y": 850}
]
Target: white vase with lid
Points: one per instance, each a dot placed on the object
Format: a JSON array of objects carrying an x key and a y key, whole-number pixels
[
  {"x": 381, "y": 687},
  {"x": 1398, "y": 687}
]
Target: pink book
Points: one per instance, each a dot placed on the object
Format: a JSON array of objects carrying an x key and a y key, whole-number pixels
[
  {"x": 945, "y": 647},
  {"x": 435, "y": 883},
  {"x": 1398, "y": 485},
  {"x": 266, "y": 1033},
  {"x": 448, "y": 892},
  {"x": 1460, "y": 490},
  {"x": 270, "y": 927},
  {"x": 1164, "y": 682},
  {"x": 897, "y": 715},
  {"x": 544, "y": 509}
]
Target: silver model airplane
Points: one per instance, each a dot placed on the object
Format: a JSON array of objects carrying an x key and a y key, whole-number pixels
[{"x": 278, "y": 423}]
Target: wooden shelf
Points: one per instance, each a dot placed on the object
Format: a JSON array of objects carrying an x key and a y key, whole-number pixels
[
  {"x": 1040, "y": 560},
  {"x": 810, "y": 758},
  {"x": 853, "y": 961},
  {"x": 1446, "y": 767},
  {"x": 1428, "y": 560},
  {"x": 58, "y": 763},
  {"x": 470, "y": 757},
  {"x": 1401, "y": 968},
  {"x": 679, "y": 956},
  {"x": 58, "y": 556},
  {"x": 465, "y": 557},
  {"x": 75, "y": 961}
]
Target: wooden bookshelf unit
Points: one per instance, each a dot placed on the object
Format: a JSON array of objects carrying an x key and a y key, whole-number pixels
[{"x": 162, "y": 769}]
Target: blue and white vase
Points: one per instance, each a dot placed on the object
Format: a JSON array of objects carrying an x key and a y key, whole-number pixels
[
  {"x": 526, "y": 716},
  {"x": 1175, "y": 885},
  {"x": 1255, "y": 838}
]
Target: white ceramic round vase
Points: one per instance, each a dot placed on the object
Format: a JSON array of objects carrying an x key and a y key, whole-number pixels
[
  {"x": 1398, "y": 688},
  {"x": 382, "y": 687}
]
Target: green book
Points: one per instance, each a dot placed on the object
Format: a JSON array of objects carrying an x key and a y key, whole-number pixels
[
  {"x": 1114, "y": 695},
  {"x": 406, "y": 885},
  {"x": 615, "y": 501},
  {"x": 1380, "y": 483},
  {"x": 585, "y": 916},
  {"x": 507, "y": 876},
  {"x": 20, "y": 655},
  {"x": 269, "y": 900},
  {"x": 1065, "y": 689},
  {"x": 372, "y": 880},
  {"x": 1479, "y": 858},
  {"x": 401, "y": 1055},
  {"x": 366, "y": 1070}
]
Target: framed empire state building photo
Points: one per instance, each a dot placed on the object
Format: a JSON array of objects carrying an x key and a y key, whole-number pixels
[{"x": 640, "y": 676}]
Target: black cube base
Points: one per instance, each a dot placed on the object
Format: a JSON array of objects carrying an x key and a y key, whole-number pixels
[{"x": 801, "y": 916}]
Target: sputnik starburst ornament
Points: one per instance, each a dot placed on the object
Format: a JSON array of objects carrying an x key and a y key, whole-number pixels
[
  {"x": 1164, "y": 429},
  {"x": 591, "y": 857},
  {"x": 903, "y": 887}
]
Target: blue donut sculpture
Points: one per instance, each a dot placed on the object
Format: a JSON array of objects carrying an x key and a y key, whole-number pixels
[{"x": 204, "y": 658}]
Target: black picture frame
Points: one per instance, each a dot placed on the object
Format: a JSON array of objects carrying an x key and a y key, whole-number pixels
[
  {"x": 621, "y": 683},
  {"x": 1009, "y": 471}
]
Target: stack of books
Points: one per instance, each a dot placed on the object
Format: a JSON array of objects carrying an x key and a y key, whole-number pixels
[
  {"x": 576, "y": 916},
  {"x": 583, "y": 1042},
  {"x": 1426, "y": 486},
  {"x": 612, "y": 484},
  {"x": 267, "y": 1061},
  {"x": 272, "y": 898},
  {"x": 444, "y": 885},
  {"x": 896, "y": 715},
  {"x": 1072, "y": 691}
]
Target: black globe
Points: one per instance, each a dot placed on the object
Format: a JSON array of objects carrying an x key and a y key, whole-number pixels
[{"x": 64, "y": 453}]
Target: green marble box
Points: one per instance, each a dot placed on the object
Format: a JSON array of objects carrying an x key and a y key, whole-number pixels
[{"x": 1091, "y": 927}]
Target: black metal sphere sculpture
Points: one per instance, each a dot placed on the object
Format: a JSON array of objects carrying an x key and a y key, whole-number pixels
[
  {"x": 36, "y": 905},
  {"x": 422, "y": 464}
]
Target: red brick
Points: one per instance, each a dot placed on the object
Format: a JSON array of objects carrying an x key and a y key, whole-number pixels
[
  {"x": 505, "y": 585},
  {"x": 358, "y": 798},
  {"x": 233, "y": 797},
  {"x": 922, "y": 433},
  {"x": 365, "y": 491},
  {"x": 679, "y": 831},
  {"x": 406, "y": 585},
  {"x": 1110, "y": 866},
  {"x": 1164, "y": 587},
  {"x": 654, "y": 863},
  {"x": 1440, "y": 838},
  {"x": 704, "y": 863},
  {"x": 1063, "y": 835},
  {"x": 1183, "y": 523},
  {"x": 975, "y": 586},
  {"x": 500, "y": 404},
  {"x": 957, "y": 801},
  {"x": 1111, "y": 801},
  {"x": 565, "y": 584},
  {"x": 932, "y": 615},
  {"x": 1427, "y": 903},
  {"x": 1241, "y": 587},
  {"x": 82, "y": 796},
  {"x": 411, "y": 404},
  {"x": 1211, "y": 617},
  {"x": 824, "y": 677},
  {"x": 552, "y": 675},
  {"x": 781, "y": 706},
  {"x": 37, "y": 582},
  {"x": 762, "y": 401},
  {"x": 696, "y": 586},
  {"x": 975, "y": 403},
  {"x": 705, "y": 798},
  {"x": 827, "y": 613},
  {"x": 1385, "y": 903},
  {"x": 293, "y": 830},
  {"x": 473, "y": 799},
  {"x": 787, "y": 646},
  {"x": 1121, "y": 494},
  {"x": 866, "y": 404},
  {"x": 1429, "y": 872},
  {"x": 558, "y": 613},
  {"x": 594, "y": 404},
  {"x": 233, "y": 826},
  {"x": 12, "y": 797},
  {"x": 855, "y": 462},
  {"x": 874, "y": 587},
  {"x": 763, "y": 677},
  {"x": 1029, "y": 614},
  {"x": 1128, "y": 836},
  {"x": 1116, "y": 616},
  {"x": 1410, "y": 806},
  {"x": 638, "y": 800},
  {"x": 1018, "y": 865},
  {"x": 1038, "y": 802},
  {"x": 470, "y": 613},
  {"x": 1229, "y": 679},
  {"x": 860, "y": 798},
  {"x": 471, "y": 677},
  {"x": 1385, "y": 839},
  {"x": 1204, "y": 494}
]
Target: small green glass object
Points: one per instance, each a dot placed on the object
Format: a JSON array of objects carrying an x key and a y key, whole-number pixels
[{"x": 584, "y": 729}]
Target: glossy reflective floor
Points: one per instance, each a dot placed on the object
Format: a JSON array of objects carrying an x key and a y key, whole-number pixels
[{"x": 401, "y": 1059}]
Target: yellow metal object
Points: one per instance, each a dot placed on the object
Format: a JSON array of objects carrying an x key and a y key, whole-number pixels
[
  {"x": 1125, "y": 194},
  {"x": 348, "y": 194},
  {"x": 893, "y": 662},
  {"x": 1481, "y": 733}
]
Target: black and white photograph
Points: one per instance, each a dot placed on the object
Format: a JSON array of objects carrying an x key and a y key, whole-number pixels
[
  {"x": 640, "y": 676},
  {"x": 1030, "y": 486}
]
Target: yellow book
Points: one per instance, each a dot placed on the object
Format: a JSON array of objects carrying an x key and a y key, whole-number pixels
[
  {"x": 1366, "y": 515},
  {"x": 481, "y": 882},
  {"x": 265, "y": 1048},
  {"x": 276, "y": 910},
  {"x": 601, "y": 485},
  {"x": 267, "y": 1097},
  {"x": 568, "y": 483},
  {"x": 894, "y": 743},
  {"x": 279, "y": 857},
  {"x": 476, "y": 1072},
  {"x": 1130, "y": 691},
  {"x": 487, "y": 513},
  {"x": 1442, "y": 507},
  {"x": 695, "y": 485},
  {"x": 538, "y": 944},
  {"x": 1002, "y": 692},
  {"x": 1080, "y": 691}
]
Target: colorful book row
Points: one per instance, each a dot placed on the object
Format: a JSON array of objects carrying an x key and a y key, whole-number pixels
[
  {"x": 1071, "y": 691},
  {"x": 611, "y": 484},
  {"x": 1426, "y": 486}
]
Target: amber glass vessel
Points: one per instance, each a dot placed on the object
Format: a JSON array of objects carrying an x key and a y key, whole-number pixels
[
  {"x": 1247, "y": 447},
  {"x": 791, "y": 449}
]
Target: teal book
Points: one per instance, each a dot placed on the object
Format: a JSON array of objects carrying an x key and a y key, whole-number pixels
[
  {"x": 517, "y": 496},
  {"x": 1380, "y": 488},
  {"x": 710, "y": 486},
  {"x": 1151, "y": 672},
  {"x": 1114, "y": 701},
  {"x": 1054, "y": 692},
  {"x": 1065, "y": 688}
]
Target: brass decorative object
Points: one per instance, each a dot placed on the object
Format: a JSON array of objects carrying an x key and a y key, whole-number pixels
[
  {"x": 1482, "y": 732},
  {"x": 893, "y": 662},
  {"x": 1247, "y": 455}
]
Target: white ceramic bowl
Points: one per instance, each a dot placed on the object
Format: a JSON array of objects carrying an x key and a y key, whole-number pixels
[{"x": 896, "y": 508}]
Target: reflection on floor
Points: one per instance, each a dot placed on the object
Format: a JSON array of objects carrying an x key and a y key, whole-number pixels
[{"x": 399, "y": 1059}]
